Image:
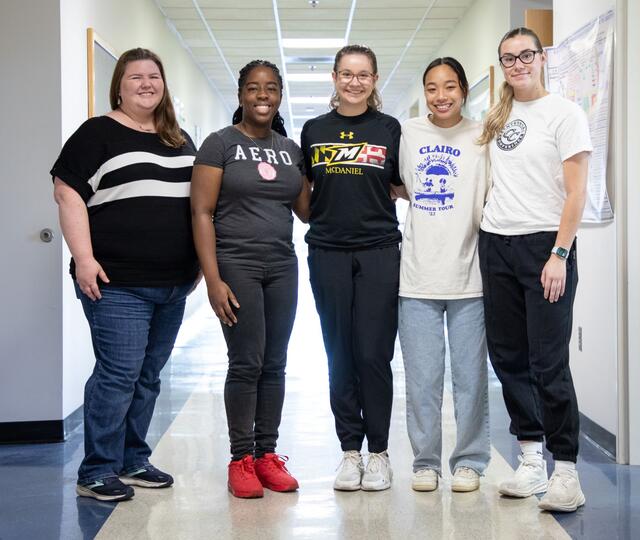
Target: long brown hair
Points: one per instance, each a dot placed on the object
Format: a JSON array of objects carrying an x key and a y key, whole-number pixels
[
  {"x": 164, "y": 117},
  {"x": 499, "y": 113},
  {"x": 374, "y": 101}
]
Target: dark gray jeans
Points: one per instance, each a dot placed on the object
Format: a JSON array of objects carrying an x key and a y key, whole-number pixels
[{"x": 257, "y": 350}]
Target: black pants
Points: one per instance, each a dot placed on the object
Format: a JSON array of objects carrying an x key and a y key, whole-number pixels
[
  {"x": 356, "y": 294},
  {"x": 528, "y": 339},
  {"x": 257, "y": 349}
]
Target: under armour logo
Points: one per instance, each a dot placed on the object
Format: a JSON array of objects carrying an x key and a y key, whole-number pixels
[{"x": 345, "y": 135}]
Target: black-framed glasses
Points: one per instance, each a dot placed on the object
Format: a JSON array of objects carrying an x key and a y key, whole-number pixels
[
  {"x": 526, "y": 57},
  {"x": 364, "y": 77}
]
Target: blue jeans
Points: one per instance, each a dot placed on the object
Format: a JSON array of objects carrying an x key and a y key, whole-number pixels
[
  {"x": 133, "y": 330},
  {"x": 421, "y": 329}
]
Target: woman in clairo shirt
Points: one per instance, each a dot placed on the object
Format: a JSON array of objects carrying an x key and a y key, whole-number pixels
[
  {"x": 539, "y": 146},
  {"x": 445, "y": 174},
  {"x": 122, "y": 185},
  {"x": 351, "y": 156},
  {"x": 249, "y": 176}
]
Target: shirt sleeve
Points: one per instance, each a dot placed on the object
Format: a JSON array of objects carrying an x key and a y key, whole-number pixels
[
  {"x": 211, "y": 152},
  {"x": 306, "y": 151},
  {"x": 80, "y": 158},
  {"x": 299, "y": 159},
  {"x": 572, "y": 134},
  {"x": 395, "y": 131}
]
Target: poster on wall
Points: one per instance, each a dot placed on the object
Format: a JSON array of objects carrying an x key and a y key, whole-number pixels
[{"x": 580, "y": 69}]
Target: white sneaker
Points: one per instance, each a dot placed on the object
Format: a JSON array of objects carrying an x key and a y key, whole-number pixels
[
  {"x": 465, "y": 479},
  {"x": 564, "y": 493},
  {"x": 377, "y": 475},
  {"x": 529, "y": 479},
  {"x": 424, "y": 480},
  {"x": 350, "y": 472}
]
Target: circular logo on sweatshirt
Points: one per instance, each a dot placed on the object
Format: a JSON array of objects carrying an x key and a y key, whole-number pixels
[{"x": 511, "y": 135}]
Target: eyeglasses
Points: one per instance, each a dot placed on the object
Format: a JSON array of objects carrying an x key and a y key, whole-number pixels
[
  {"x": 526, "y": 57},
  {"x": 364, "y": 77}
]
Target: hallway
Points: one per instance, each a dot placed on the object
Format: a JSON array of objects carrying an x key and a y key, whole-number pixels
[{"x": 189, "y": 434}]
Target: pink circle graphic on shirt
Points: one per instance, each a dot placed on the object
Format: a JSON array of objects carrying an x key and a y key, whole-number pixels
[{"x": 267, "y": 171}]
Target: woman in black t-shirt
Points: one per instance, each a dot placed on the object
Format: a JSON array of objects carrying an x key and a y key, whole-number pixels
[
  {"x": 248, "y": 176},
  {"x": 122, "y": 185},
  {"x": 351, "y": 156}
]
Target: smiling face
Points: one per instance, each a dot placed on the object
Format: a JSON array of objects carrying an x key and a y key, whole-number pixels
[
  {"x": 524, "y": 78},
  {"x": 444, "y": 96},
  {"x": 260, "y": 96},
  {"x": 141, "y": 87},
  {"x": 354, "y": 80}
]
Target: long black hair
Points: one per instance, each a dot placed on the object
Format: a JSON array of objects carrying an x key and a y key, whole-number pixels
[
  {"x": 455, "y": 66},
  {"x": 277, "y": 123}
]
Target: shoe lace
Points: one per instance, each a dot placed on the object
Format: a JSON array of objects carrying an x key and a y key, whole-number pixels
[
  {"x": 466, "y": 472},
  {"x": 245, "y": 466},
  {"x": 527, "y": 463},
  {"x": 561, "y": 477},
  {"x": 376, "y": 463},
  {"x": 350, "y": 459},
  {"x": 277, "y": 461}
]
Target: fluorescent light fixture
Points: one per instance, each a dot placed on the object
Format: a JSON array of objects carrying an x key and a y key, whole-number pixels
[
  {"x": 309, "y": 77},
  {"x": 309, "y": 59},
  {"x": 303, "y": 43},
  {"x": 310, "y": 99}
]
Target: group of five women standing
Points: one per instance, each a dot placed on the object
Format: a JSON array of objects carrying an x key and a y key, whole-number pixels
[{"x": 488, "y": 246}]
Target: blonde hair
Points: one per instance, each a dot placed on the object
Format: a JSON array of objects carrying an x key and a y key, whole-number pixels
[
  {"x": 498, "y": 114},
  {"x": 374, "y": 101}
]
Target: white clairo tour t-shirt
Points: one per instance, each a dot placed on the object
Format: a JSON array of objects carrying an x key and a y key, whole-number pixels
[
  {"x": 446, "y": 177},
  {"x": 528, "y": 193}
]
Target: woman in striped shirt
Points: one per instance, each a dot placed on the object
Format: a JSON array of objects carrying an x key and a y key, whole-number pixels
[{"x": 122, "y": 185}]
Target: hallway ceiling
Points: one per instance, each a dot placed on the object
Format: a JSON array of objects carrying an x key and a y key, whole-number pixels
[{"x": 223, "y": 35}]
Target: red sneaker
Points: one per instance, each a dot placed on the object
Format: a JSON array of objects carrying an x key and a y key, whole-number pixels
[
  {"x": 273, "y": 475},
  {"x": 243, "y": 482}
]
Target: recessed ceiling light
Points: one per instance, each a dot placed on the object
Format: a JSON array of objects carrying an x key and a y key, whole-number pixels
[
  {"x": 309, "y": 77},
  {"x": 310, "y": 99},
  {"x": 303, "y": 43},
  {"x": 309, "y": 109},
  {"x": 314, "y": 3}
]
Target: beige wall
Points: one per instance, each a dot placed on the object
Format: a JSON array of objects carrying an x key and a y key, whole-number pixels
[
  {"x": 123, "y": 24},
  {"x": 473, "y": 42}
]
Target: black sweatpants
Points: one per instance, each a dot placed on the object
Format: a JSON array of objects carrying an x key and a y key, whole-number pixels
[
  {"x": 356, "y": 294},
  {"x": 257, "y": 350},
  {"x": 528, "y": 339}
]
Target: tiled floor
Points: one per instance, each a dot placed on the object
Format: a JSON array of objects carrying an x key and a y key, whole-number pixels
[{"x": 37, "y": 498}]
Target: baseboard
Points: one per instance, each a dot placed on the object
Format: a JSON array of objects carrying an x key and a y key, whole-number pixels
[
  {"x": 598, "y": 435},
  {"x": 42, "y": 431}
]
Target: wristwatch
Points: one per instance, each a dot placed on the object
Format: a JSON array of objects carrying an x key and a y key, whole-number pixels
[{"x": 560, "y": 252}]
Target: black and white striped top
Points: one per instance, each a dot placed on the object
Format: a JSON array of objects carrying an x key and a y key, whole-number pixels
[{"x": 137, "y": 194}]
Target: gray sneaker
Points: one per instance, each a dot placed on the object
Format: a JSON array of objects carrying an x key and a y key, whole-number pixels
[
  {"x": 378, "y": 474},
  {"x": 529, "y": 479},
  {"x": 350, "y": 471},
  {"x": 564, "y": 493},
  {"x": 108, "y": 489}
]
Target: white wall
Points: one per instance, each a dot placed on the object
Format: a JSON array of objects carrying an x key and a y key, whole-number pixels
[
  {"x": 45, "y": 349},
  {"x": 123, "y": 24},
  {"x": 595, "y": 368},
  {"x": 518, "y": 7},
  {"x": 473, "y": 43},
  {"x": 30, "y": 323},
  {"x": 633, "y": 226}
]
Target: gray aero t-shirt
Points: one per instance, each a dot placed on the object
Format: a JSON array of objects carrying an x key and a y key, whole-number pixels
[{"x": 261, "y": 178}]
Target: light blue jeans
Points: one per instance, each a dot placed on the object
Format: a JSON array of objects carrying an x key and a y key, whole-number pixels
[{"x": 422, "y": 338}]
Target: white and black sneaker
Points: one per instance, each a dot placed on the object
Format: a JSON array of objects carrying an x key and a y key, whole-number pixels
[
  {"x": 107, "y": 489},
  {"x": 147, "y": 477}
]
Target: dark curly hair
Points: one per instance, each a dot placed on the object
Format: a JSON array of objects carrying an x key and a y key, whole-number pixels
[{"x": 277, "y": 124}]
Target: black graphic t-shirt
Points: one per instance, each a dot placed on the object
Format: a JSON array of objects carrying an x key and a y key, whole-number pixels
[
  {"x": 137, "y": 194},
  {"x": 352, "y": 160},
  {"x": 261, "y": 179}
]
